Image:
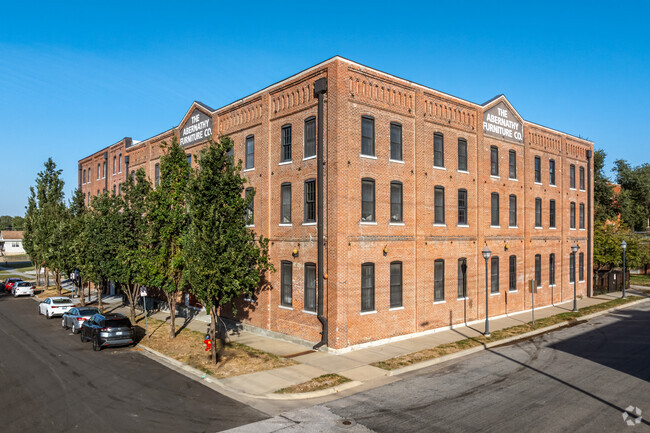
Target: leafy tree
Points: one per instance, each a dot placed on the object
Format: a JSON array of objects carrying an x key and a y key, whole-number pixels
[
  {"x": 603, "y": 192},
  {"x": 18, "y": 223},
  {"x": 607, "y": 247},
  {"x": 167, "y": 223},
  {"x": 5, "y": 222},
  {"x": 30, "y": 236},
  {"x": 223, "y": 258},
  {"x": 634, "y": 201},
  {"x": 74, "y": 228}
]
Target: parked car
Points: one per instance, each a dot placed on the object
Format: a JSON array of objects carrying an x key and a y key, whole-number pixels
[
  {"x": 9, "y": 283},
  {"x": 55, "y": 306},
  {"x": 75, "y": 317},
  {"x": 108, "y": 330},
  {"x": 22, "y": 288}
]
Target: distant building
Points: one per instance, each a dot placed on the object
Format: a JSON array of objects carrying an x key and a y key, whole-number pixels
[{"x": 11, "y": 242}]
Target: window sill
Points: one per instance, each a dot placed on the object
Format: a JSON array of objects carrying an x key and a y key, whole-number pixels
[
  {"x": 309, "y": 224},
  {"x": 439, "y": 302},
  {"x": 307, "y": 159},
  {"x": 248, "y": 169},
  {"x": 397, "y": 161},
  {"x": 463, "y": 171},
  {"x": 313, "y": 313},
  {"x": 513, "y": 291},
  {"x": 582, "y": 230},
  {"x": 283, "y": 163},
  {"x": 583, "y": 190},
  {"x": 581, "y": 281},
  {"x": 495, "y": 177},
  {"x": 368, "y": 156},
  {"x": 396, "y": 308},
  {"x": 552, "y": 185},
  {"x": 396, "y": 224},
  {"x": 119, "y": 172},
  {"x": 462, "y": 225},
  {"x": 250, "y": 225},
  {"x": 571, "y": 229},
  {"x": 439, "y": 225},
  {"x": 363, "y": 313},
  {"x": 538, "y": 183},
  {"x": 552, "y": 228},
  {"x": 572, "y": 189},
  {"x": 285, "y": 225},
  {"x": 538, "y": 228},
  {"x": 495, "y": 294},
  {"x": 513, "y": 179},
  {"x": 513, "y": 227},
  {"x": 465, "y": 298},
  {"x": 285, "y": 307},
  {"x": 495, "y": 227},
  {"x": 367, "y": 223},
  {"x": 436, "y": 167}
]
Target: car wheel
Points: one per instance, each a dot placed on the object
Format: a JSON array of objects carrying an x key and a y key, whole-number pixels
[
  {"x": 48, "y": 315},
  {"x": 63, "y": 325},
  {"x": 96, "y": 346},
  {"x": 81, "y": 335}
]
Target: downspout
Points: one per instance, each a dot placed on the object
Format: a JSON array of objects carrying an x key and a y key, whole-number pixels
[
  {"x": 126, "y": 163},
  {"x": 590, "y": 227},
  {"x": 320, "y": 88}
]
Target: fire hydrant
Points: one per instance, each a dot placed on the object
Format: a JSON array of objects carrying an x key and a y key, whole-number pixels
[{"x": 208, "y": 343}]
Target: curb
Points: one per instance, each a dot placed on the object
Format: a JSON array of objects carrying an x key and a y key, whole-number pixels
[
  {"x": 441, "y": 359},
  {"x": 207, "y": 380}
]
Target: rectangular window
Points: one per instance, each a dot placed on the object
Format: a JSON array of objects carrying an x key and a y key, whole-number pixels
[
  {"x": 494, "y": 273},
  {"x": 582, "y": 178},
  {"x": 368, "y": 136},
  {"x": 310, "y": 137},
  {"x": 494, "y": 161},
  {"x": 551, "y": 269},
  {"x": 538, "y": 270},
  {"x": 98, "y": 171},
  {"x": 310, "y": 287},
  {"x": 189, "y": 159},
  {"x": 538, "y": 212},
  {"x": 582, "y": 216},
  {"x": 367, "y": 287},
  {"x": 250, "y": 152},
  {"x": 462, "y": 154},
  {"x": 114, "y": 164},
  {"x": 439, "y": 280},
  {"x": 494, "y": 211},
  {"x": 285, "y": 203},
  {"x": 572, "y": 176},
  {"x": 572, "y": 267},
  {"x": 551, "y": 172},
  {"x": 395, "y": 284},
  {"x": 551, "y": 214},
  {"x": 512, "y": 173},
  {"x": 512, "y": 274},
  {"x": 286, "y": 143},
  {"x": 310, "y": 201},
  {"x": 438, "y": 150},
  {"x": 396, "y": 202},
  {"x": 581, "y": 267},
  {"x": 156, "y": 175},
  {"x": 538, "y": 170},
  {"x": 462, "y": 278},
  {"x": 250, "y": 209},
  {"x": 367, "y": 200},
  {"x": 396, "y": 141},
  {"x": 572, "y": 218},
  {"x": 512, "y": 220},
  {"x": 119, "y": 164},
  {"x": 439, "y": 204},
  {"x": 287, "y": 283},
  {"x": 104, "y": 170},
  {"x": 462, "y": 207}
]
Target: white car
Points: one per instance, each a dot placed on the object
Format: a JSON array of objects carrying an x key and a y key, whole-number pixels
[
  {"x": 23, "y": 288},
  {"x": 55, "y": 306}
]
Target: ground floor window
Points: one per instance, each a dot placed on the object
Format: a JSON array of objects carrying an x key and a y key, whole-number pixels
[{"x": 367, "y": 287}]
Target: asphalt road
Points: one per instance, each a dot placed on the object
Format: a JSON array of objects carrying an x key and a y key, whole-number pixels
[{"x": 52, "y": 382}]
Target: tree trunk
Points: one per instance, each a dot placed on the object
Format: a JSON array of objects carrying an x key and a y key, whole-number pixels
[
  {"x": 131, "y": 291},
  {"x": 171, "y": 301},
  {"x": 213, "y": 334},
  {"x": 57, "y": 281},
  {"x": 38, "y": 274},
  {"x": 98, "y": 289},
  {"x": 47, "y": 278},
  {"x": 82, "y": 295}
]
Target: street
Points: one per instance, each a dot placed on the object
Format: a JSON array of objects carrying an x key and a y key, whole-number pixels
[{"x": 51, "y": 381}]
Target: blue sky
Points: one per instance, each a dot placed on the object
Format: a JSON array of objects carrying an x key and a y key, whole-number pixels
[{"x": 78, "y": 76}]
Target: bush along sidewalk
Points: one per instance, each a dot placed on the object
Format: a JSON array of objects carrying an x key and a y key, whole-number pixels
[
  {"x": 468, "y": 343},
  {"x": 316, "y": 384}
]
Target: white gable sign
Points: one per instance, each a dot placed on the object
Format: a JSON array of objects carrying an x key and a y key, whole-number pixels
[
  {"x": 198, "y": 128},
  {"x": 500, "y": 122}
]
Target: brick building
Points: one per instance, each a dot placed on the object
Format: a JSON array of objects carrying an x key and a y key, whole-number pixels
[{"x": 416, "y": 183}]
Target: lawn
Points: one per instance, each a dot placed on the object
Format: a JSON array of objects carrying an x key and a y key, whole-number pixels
[
  {"x": 321, "y": 382},
  {"x": 640, "y": 280}
]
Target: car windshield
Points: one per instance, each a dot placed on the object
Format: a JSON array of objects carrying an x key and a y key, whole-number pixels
[
  {"x": 61, "y": 301},
  {"x": 24, "y": 284},
  {"x": 88, "y": 312},
  {"x": 119, "y": 323}
]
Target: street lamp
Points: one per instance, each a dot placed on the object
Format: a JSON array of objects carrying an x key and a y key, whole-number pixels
[
  {"x": 574, "y": 250},
  {"x": 486, "y": 256},
  {"x": 624, "y": 246}
]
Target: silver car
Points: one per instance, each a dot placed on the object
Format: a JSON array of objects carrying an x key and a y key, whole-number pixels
[{"x": 75, "y": 317}]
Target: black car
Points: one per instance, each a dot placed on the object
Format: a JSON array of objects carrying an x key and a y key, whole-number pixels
[{"x": 108, "y": 330}]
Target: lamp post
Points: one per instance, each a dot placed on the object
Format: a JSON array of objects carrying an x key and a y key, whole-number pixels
[
  {"x": 624, "y": 246},
  {"x": 486, "y": 256},
  {"x": 574, "y": 250}
]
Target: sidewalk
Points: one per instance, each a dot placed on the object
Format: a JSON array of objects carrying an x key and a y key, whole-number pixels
[{"x": 354, "y": 365}]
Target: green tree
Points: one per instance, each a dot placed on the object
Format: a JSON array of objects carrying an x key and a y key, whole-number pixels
[
  {"x": 167, "y": 223},
  {"x": 74, "y": 232},
  {"x": 223, "y": 258},
  {"x": 5, "y": 222},
  {"x": 607, "y": 247},
  {"x": 30, "y": 236},
  {"x": 18, "y": 223},
  {"x": 633, "y": 203},
  {"x": 603, "y": 192}
]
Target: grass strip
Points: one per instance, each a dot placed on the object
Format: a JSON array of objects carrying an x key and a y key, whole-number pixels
[
  {"x": 640, "y": 280},
  {"x": 316, "y": 384},
  {"x": 468, "y": 343}
]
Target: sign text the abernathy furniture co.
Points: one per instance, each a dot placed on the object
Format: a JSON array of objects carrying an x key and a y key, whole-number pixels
[
  {"x": 499, "y": 122},
  {"x": 198, "y": 128}
]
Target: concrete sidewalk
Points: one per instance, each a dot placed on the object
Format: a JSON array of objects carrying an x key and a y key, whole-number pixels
[{"x": 354, "y": 365}]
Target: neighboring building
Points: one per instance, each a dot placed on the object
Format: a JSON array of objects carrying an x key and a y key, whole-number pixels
[
  {"x": 11, "y": 242},
  {"x": 416, "y": 183}
]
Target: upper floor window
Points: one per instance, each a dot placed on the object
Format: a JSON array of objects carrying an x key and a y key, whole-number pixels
[
  {"x": 367, "y": 200},
  {"x": 439, "y": 280},
  {"x": 114, "y": 163},
  {"x": 310, "y": 201},
  {"x": 572, "y": 216},
  {"x": 396, "y": 141},
  {"x": 99, "y": 171},
  {"x": 512, "y": 220},
  {"x": 438, "y": 150},
  {"x": 114, "y": 186},
  {"x": 462, "y": 207},
  {"x": 156, "y": 170},
  {"x": 119, "y": 163},
  {"x": 310, "y": 137},
  {"x": 572, "y": 176},
  {"x": 367, "y": 287},
  {"x": 104, "y": 168},
  {"x": 285, "y": 203},
  {"x": 189, "y": 159},
  {"x": 249, "y": 194},
  {"x": 250, "y": 152},
  {"x": 396, "y": 202},
  {"x": 462, "y": 154},
  {"x": 286, "y": 276},
  {"x": 439, "y": 205},
  {"x": 395, "y": 284},
  {"x": 512, "y": 164},
  {"x": 367, "y": 136},
  {"x": 582, "y": 178},
  {"x": 494, "y": 209},
  {"x": 286, "y": 143},
  {"x": 538, "y": 170},
  {"x": 494, "y": 273},
  {"x": 494, "y": 161},
  {"x": 582, "y": 216},
  {"x": 551, "y": 172},
  {"x": 551, "y": 213},
  {"x": 538, "y": 212},
  {"x": 83, "y": 177},
  {"x": 89, "y": 176}
]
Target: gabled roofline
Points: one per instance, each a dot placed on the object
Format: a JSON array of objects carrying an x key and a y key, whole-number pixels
[
  {"x": 502, "y": 98},
  {"x": 104, "y": 149}
]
